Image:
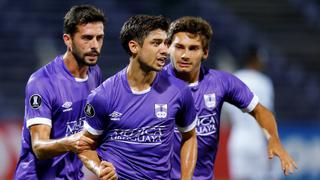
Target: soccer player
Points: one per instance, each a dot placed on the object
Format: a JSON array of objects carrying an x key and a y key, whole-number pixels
[
  {"x": 247, "y": 144},
  {"x": 135, "y": 111},
  {"x": 55, "y": 100},
  {"x": 188, "y": 39}
]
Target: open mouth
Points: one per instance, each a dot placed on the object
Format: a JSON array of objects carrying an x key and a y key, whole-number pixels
[
  {"x": 162, "y": 60},
  {"x": 92, "y": 54}
]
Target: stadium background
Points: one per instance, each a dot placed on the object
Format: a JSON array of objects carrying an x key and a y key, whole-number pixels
[{"x": 287, "y": 30}]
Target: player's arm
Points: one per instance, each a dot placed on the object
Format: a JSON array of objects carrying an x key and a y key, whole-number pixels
[
  {"x": 188, "y": 154},
  {"x": 90, "y": 158},
  {"x": 45, "y": 148},
  {"x": 186, "y": 122},
  {"x": 267, "y": 121}
]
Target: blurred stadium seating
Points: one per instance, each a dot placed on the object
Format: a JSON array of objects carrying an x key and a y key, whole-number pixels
[{"x": 31, "y": 35}]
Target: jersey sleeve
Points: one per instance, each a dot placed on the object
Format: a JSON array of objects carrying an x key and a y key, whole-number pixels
[
  {"x": 239, "y": 94},
  {"x": 95, "y": 111},
  {"x": 186, "y": 116},
  {"x": 38, "y": 102}
]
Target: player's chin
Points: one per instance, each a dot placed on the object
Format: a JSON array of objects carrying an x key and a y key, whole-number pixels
[
  {"x": 91, "y": 61},
  {"x": 183, "y": 69},
  {"x": 158, "y": 67}
]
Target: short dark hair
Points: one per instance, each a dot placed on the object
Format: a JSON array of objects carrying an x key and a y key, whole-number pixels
[
  {"x": 193, "y": 25},
  {"x": 139, "y": 26},
  {"x": 81, "y": 14}
]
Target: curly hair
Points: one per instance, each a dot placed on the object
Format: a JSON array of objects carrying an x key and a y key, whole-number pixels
[{"x": 192, "y": 25}]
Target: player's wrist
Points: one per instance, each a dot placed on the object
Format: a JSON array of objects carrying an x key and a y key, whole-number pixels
[
  {"x": 67, "y": 144},
  {"x": 95, "y": 168},
  {"x": 186, "y": 177}
]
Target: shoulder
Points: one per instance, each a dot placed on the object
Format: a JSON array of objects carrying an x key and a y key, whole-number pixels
[
  {"x": 173, "y": 81},
  {"x": 42, "y": 76},
  {"x": 40, "y": 83},
  {"x": 47, "y": 71},
  {"x": 113, "y": 80},
  {"x": 225, "y": 81},
  {"x": 109, "y": 85},
  {"x": 218, "y": 76},
  {"x": 213, "y": 73}
]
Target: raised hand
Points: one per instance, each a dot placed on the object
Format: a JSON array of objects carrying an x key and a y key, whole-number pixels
[{"x": 287, "y": 163}]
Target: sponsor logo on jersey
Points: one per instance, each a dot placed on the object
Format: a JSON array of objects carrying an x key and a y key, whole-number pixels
[
  {"x": 35, "y": 101},
  {"x": 74, "y": 126},
  {"x": 160, "y": 110},
  {"x": 89, "y": 110},
  {"x": 206, "y": 125},
  {"x": 144, "y": 135},
  {"x": 210, "y": 100},
  {"x": 115, "y": 116}
]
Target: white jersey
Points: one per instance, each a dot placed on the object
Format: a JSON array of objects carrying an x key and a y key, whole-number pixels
[{"x": 247, "y": 146}]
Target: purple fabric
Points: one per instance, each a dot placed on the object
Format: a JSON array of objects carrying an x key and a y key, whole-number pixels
[
  {"x": 52, "y": 93},
  {"x": 138, "y": 129},
  {"x": 214, "y": 88}
]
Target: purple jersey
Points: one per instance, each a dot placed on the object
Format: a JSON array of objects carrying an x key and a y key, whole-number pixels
[
  {"x": 138, "y": 128},
  {"x": 214, "y": 88},
  {"x": 54, "y": 98}
]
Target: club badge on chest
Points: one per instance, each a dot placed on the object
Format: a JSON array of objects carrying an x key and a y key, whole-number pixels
[
  {"x": 210, "y": 100},
  {"x": 160, "y": 110}
]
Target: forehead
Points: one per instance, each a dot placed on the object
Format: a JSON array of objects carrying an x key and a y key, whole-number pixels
[
  {"x": 156, "y": 34},
  {"x": 187, "y": 39},
  {"x": 91, "y": 28}
]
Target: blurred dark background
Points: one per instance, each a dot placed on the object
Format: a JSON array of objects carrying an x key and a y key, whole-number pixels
[{"x": 288, "y": 31}]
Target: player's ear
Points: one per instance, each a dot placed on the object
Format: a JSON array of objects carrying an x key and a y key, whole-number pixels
[
  {"x": 205, "y": 54},
  {"x": 133, "y": 46},
  {"x": 67, "y": 40}
]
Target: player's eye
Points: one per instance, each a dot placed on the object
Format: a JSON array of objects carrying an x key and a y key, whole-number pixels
[
  {"x": 100, "y": 38},
  {"x": 156, "y": 43},
  {"x": 194, "y": 48},
  {"x": 87, "y": 38},
  {"x": 178, "y": 46}
]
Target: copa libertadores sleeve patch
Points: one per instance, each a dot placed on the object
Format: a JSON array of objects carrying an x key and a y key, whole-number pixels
[
  {"x": 89, "y": 110},
  {"x": 35, "y": 101}
]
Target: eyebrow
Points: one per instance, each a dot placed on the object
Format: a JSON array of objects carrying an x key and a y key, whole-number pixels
[{"x": 157, "y": 39}]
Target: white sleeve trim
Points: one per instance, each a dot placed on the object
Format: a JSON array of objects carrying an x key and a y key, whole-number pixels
[
  {"x": 91, "y": 130},
  {"x": 252, "y": 104},
  {"x": 190, "y": 127},
  {"x": 38, "y": 120}
]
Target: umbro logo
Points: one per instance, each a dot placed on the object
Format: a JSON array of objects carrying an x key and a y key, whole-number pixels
[
  {"x": 67, "y": 106},
  {"x": 115, "y": 116}
]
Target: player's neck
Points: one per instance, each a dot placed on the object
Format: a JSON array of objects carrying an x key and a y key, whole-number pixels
[
  {"x": 138, "y": 78},
  {"x": 189, "y": 77},
  {"x": 78, "y": 71}
]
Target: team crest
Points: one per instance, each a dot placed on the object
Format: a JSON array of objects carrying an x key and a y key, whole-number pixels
[
  {"x": 161, "y": 110},
  {"x": 89, "y": 110},
  {"x": 210, "y": 100},
  {"x": 35, "y": 101}
]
